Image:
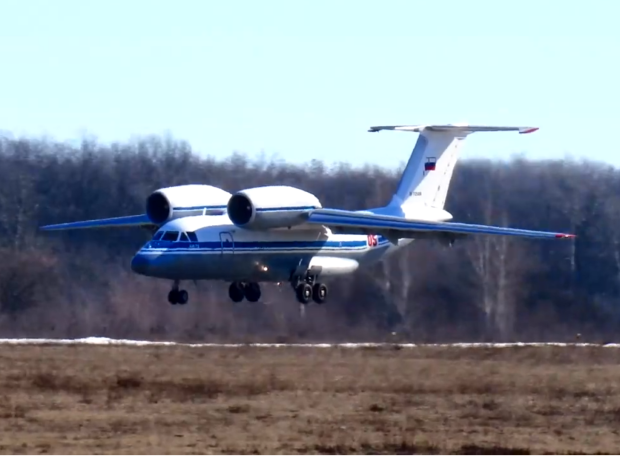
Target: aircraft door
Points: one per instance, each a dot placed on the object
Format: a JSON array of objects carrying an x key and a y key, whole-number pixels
[{"x": 227, "y": 242}]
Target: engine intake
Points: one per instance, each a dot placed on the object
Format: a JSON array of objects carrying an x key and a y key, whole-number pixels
[
  {"x": 270, "y": 207},
  {"x": 158, "y": 208},
  {"x": 240, "y": 209},
  {"x": 169, "y": 203}
]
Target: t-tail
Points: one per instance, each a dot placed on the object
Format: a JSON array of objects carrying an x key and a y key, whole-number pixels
[{"x": 424, "y": 184}]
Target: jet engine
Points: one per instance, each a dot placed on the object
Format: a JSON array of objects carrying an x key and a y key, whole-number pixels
[
  {"x": 171, "y": 203},
  {"x": 268, "y": 207}
]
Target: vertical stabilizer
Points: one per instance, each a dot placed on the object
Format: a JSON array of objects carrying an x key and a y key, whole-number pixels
[{"x": 426, "y": 179}]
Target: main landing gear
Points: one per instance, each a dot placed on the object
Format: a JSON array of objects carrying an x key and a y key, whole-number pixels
[
  {"x": 239, "y": 290},
  {"x": 177, "y": 296},
  {"x": 308, "y": 289}
]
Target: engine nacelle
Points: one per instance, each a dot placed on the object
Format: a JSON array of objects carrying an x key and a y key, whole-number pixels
[
  {"x": 171, "y": 203},
  {"x": 276, "y": 206}
]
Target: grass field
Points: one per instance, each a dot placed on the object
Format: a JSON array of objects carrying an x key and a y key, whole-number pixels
[{"x": 80, "y": 399}]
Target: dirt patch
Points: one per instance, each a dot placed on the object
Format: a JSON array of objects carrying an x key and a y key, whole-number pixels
[{"x": 303, "y": 400}]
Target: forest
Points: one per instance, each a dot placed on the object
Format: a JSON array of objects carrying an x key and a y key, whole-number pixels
[{"x": 487, "y": 288}]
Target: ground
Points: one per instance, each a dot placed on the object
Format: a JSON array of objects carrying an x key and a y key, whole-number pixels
[{"x": 81, "y": 399}]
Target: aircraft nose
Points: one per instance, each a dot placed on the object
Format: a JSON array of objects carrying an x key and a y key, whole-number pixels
[{"x": 140, "y": 264}]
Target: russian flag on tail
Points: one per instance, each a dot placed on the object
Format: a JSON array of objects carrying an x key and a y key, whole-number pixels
[{"x": 430, "y": 164}]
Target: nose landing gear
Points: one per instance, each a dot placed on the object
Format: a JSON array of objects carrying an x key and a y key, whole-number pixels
[{"x": 177, "y": 296}]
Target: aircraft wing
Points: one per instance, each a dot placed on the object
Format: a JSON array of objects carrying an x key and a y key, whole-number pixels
[
  {"x": 116, "y": 222},
  {"x": 355, "y": 222}
]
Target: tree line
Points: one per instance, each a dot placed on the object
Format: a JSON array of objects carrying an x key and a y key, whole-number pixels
[{"x": 79, "y": 283}]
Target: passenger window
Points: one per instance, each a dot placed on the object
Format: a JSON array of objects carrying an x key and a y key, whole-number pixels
[
  {"x": 184, "y": 238},
  {"x": 158, "y": 235},
  {"x": 170, "y": 236},
  {"x": 192, "y": 236}
]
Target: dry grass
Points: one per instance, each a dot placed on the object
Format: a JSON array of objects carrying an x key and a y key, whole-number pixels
[{"x": 303, "y": 400}]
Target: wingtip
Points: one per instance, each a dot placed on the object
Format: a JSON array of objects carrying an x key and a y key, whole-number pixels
[
  {"x": 565, "y": 236},
  {"x": 526, "y": 131}
]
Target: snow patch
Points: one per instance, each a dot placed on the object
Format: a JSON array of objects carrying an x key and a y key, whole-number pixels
[{"x": 142, "y": 343}]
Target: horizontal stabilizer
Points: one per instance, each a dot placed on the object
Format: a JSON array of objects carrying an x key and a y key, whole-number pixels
[
  {"x": 454, "y": 128},
  {"x": 116, "y": 222},
  {"x": 354, "y": 222}
]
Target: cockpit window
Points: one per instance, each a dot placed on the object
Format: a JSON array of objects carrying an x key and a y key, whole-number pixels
[
  {"x": 192, "y": 236},
  {"x": 184, "y": 238},
  {"x": 158, "y": 235},
  {"x": 170, "y": 236}
]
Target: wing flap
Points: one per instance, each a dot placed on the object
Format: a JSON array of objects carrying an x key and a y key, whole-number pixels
[
  {"x": 116, "y": 222},
  {"x": 352, "y": 222}
]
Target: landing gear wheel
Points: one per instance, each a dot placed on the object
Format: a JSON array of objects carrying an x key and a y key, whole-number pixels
[
  {"x": 252, "y": 292},
  {"x": 182, "y": 297},
  {"x": 236, "y": 292},
  {"x": 319, "y": 293},
  {"x": 304, "y": 293}
]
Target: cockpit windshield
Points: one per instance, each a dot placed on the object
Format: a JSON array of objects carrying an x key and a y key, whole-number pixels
[{"x": 172, "y": 236}]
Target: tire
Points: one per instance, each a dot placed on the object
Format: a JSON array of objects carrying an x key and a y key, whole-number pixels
[
  {"x": 319, "y": 293},
  {"x": 236, "y": 292},
  {"x": 182, "y": 297},
  {"x": 252, "y": 292},
  {"x": 304, "y": 293}
]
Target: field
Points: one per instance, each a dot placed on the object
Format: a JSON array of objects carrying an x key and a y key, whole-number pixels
[{"x": 89, "y": 399}]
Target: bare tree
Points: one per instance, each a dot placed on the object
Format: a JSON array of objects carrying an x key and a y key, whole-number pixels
[{"x": 491, "y": 286}]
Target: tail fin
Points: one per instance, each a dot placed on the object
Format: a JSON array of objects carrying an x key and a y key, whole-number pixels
[{"x": 427, "y": 176}]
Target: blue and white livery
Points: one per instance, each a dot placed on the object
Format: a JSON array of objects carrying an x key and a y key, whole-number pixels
[{"x": 281, "y": 233}]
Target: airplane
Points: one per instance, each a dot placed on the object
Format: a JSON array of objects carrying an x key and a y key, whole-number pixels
[{"x": 281, "y": 234}]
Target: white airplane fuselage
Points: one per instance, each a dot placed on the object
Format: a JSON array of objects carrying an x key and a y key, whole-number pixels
[
  {"x": 279, "y": 233},
  {"x": 222, "y": 251}
]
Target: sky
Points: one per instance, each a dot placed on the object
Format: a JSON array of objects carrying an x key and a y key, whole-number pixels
[{"x": 305, "y": 79}]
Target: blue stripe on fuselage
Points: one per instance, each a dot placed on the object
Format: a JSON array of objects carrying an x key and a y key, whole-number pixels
[{"x": 268, "y": 246}]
